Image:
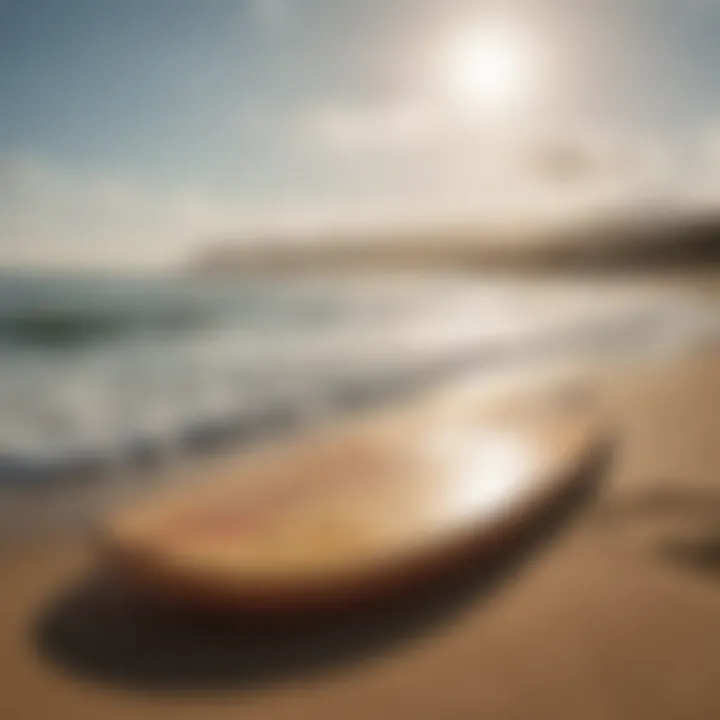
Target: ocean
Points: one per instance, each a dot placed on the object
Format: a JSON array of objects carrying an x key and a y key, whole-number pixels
[{"x": 103, "y": 373}]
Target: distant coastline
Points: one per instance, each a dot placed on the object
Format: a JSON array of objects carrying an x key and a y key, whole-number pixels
[{"x": 677, "y": 242}]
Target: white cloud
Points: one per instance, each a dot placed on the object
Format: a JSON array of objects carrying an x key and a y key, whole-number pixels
[
  {"x": 51, "y": 216},
  {"x": 377, "y": 167},
  {"x": 371, "y": 128},
  {"x": 459, "y": 165}
]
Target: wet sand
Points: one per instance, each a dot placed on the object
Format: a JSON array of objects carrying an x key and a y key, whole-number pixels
[{"x": 610, "y": 610}]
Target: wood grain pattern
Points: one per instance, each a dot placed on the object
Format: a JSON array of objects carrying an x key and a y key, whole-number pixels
[{"x": 354, "y": 513}]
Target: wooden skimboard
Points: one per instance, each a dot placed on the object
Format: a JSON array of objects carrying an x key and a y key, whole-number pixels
[{"x": 354, "y": 514}]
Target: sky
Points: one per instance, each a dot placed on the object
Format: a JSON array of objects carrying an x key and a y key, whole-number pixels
[{"x": 132, "y": 132}]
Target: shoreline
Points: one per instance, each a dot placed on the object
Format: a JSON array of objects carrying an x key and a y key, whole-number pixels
[
  {"x": 29, "y": 512},
  {"x": 39, "y": 512},
  {"x": 630, "y": 627},
  {"x": 612, "y": 616}
]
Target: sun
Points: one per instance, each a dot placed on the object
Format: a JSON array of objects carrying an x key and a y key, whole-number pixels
[{"x": 490, "y": 67}]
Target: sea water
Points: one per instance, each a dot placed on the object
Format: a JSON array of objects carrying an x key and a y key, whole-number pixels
[{"x": 107, "y": 372}]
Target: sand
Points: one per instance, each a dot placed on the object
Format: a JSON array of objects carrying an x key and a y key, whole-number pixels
[{"x": 611, "y": 610}]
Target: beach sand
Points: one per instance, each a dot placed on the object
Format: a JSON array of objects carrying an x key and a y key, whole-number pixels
[{"x": 611, "y": 611}]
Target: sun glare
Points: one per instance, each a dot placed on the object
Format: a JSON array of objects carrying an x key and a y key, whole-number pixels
[{"x": 490, "y": 67}]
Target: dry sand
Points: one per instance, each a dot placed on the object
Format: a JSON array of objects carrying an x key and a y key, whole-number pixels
[{"x": 612, "y": 611}]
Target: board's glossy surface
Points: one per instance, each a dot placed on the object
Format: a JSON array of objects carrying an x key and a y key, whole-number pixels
[{"x": 344, "y": 515}]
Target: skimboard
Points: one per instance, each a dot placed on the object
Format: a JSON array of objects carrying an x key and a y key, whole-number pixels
[{"x": 355, "y": 513}]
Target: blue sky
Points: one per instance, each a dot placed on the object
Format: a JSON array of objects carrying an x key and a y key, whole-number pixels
[{"x": 131, "y": 130}]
